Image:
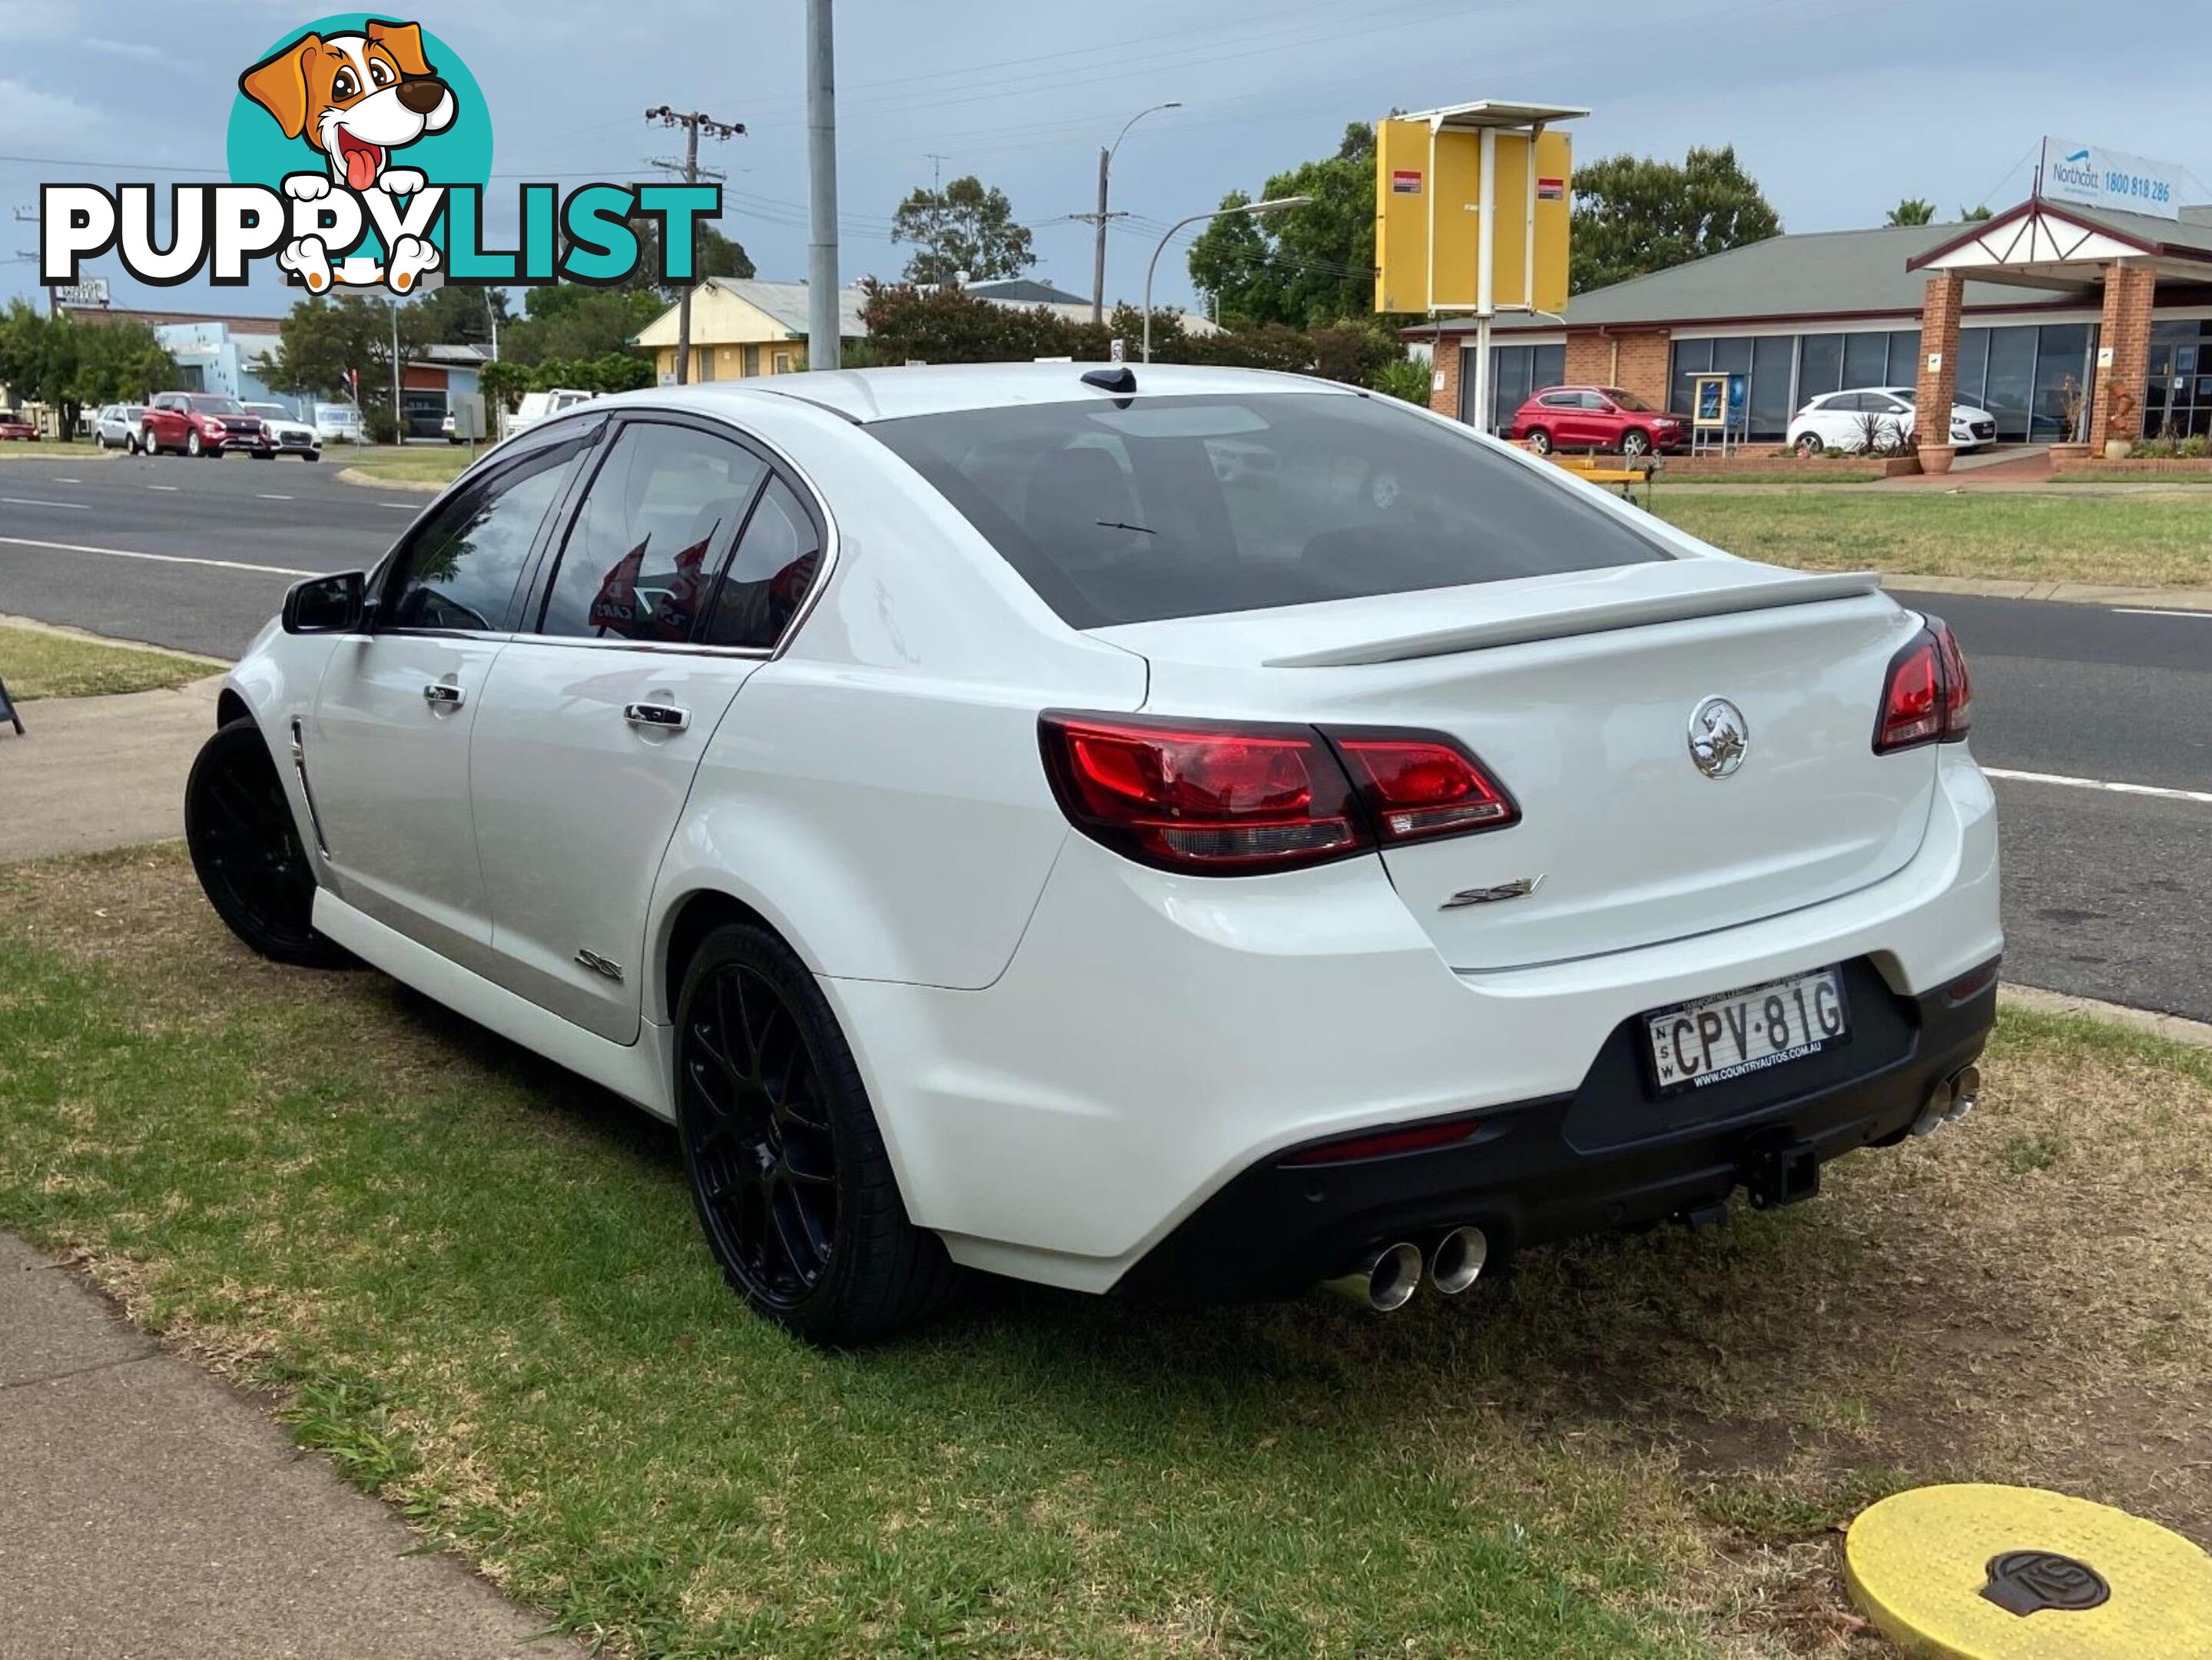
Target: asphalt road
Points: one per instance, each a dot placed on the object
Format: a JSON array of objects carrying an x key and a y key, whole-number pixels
[
  {"x": 222, "y": 540},
  {"x": 2108, "y": 893}
]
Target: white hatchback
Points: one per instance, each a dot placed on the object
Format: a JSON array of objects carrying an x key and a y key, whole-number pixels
[
  {"x": 1879, "y": 418},
  {"x": 1175, "y": 832}
]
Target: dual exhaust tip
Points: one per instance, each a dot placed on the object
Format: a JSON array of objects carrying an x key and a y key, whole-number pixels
[
  {"x": 1949, "y": 1101},
  {"x": 1386, "y": 1278}
]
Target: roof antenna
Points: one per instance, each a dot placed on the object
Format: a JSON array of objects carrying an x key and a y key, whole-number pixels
[{"x": 1120, "y": 378}]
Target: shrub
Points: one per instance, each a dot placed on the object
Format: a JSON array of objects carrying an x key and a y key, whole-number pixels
[
  {"x": 1403, "y": 377},
  {"x": 2161, "y": 448},
  {"x": 2195, "y": 446},
  {"x": 380, "y": 427}
]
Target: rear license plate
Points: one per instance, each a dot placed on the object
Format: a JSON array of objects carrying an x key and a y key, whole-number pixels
[{"x": 1715, "y": 1039}]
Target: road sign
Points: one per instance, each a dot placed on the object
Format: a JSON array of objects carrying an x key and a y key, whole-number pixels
[
  {"x": 7, "y": 710},
  {"x": 90, "y": 295},
  {"x": 1431, "y": 226},
  {"x": 468, "y": 415}
]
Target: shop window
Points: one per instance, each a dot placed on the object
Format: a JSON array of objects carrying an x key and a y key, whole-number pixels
[
  {"x": 1973, "y": 367},
  {"x": 1819, "y": 365},
  {"x": 2011, "y": 384},
  {"x": 1866, "y": 360}
]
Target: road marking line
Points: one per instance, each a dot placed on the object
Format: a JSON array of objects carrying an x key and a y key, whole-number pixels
[
  {"x": 33, "y": 502},
  {"x": 164, "y": 487},
  {"x": 2139, "y": 610},
  {"x": 69, "y": 481},
  {"x": 159, "y": 559},
  {"x": 265, "y": 496},
  {"x": 2158, "y": 790},
  {"x": 403, "y": 507}
]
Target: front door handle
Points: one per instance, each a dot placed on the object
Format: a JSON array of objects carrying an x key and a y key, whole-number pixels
[
  {"x": 441, "y": 695},
  {"x": 657, "y": 717}
]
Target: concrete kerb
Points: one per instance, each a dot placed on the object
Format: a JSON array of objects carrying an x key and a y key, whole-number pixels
[
  {"x": 374, "y": 481},
  {"x": 33, "y": 625},
  {"x": 2064, "y": 593}
]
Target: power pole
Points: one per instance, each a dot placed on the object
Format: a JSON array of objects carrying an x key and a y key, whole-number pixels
[
  {"x": 1103, "y": 218},
  {"x": 693, "y": 125},
  {"x": 30, "y": 216},
  {"x": 824, "y": 346}
]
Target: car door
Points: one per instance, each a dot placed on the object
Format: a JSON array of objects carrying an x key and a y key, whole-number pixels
[
  {"x": 685, "y": 560},
  {"x": 165, "y": 422},
  {"x": 387, "y": 750}
]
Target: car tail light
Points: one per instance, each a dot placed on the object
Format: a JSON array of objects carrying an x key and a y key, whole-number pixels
[
  {"x": 1418, "y": 785},
  {"x": 1233, "y": 798},
  {"x": 1201, "y": 796},
  {"x": 1927, "y": 694}
]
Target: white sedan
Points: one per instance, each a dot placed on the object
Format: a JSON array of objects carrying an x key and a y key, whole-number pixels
[
  {"x": 1879, "y": 418},
  {"x": 1002, "y": 822}
]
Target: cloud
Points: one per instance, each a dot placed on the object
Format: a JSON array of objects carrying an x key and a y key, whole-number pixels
[
  {"x": 28, "y": 116},
  {"x": 144, "y": 51}
]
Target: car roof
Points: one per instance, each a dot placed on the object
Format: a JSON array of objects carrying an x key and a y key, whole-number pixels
[{"x": 890, "y": 394}]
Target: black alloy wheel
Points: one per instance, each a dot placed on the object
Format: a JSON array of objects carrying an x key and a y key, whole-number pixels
[
  {"x": 788, "y": 1171},
  {"x": 246, "y": 850}
]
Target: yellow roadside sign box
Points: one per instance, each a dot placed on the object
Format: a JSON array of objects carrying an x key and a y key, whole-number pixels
[{"x": 1431, "y": 222}]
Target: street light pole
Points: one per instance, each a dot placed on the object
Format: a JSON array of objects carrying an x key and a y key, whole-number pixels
[
  {"x": 1196, "y": 218},
  {"x": 1101, "y": 217},
  {"x": 824, "y": 342}
]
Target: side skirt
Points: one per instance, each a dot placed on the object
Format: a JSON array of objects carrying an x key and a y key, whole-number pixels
[{"x": 637, "y": 1072}]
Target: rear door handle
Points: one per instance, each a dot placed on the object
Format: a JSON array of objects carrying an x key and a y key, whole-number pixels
[
  {"x": 440, "y": 694},
  {"x": 657, "y": 717}
]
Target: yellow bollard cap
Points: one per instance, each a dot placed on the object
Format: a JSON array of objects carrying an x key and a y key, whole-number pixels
[{"x": 1976, "y": 1572}]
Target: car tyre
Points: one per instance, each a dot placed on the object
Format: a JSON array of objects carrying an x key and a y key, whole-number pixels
[
  {"x": 246, "y": 850},
  {"x": 1635, "y": 445},
  {"x": 193, "y": 448},
  {"x": 788, "y": 1172},
  {"x": 1808, "y": 445},
  {"x": 145, "y": 446},
  {"x": 1540, "y": 441}
]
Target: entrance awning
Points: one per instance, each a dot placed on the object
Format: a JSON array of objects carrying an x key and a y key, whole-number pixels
[{"x": 2053, "y": 245}]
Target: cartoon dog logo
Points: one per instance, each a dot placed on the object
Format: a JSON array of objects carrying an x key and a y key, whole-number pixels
[{"x": 356, "y": 98}]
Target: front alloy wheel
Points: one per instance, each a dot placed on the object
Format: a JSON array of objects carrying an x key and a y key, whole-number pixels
[
  {"x": 1635, "y": 445},
  {"x": 1808, "y": 446},
  {"x": 245, "y": 848},
  {"x": 192, "y": 446},
  {"x": 788, "y": 1172}
]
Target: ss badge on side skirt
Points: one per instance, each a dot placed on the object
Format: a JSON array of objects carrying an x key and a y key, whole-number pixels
[{"x": 1519, "y": 888}]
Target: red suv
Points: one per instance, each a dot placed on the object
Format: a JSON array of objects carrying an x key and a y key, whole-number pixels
[
  {"x": 203, "y": 424},
  {"x": 1594, "y": 418}
]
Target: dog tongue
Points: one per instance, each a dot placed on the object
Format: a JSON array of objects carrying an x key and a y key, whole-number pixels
[{"x": 361, "y": 168}]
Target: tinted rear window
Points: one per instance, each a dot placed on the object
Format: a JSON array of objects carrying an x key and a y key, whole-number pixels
[{"x": 1182, "y": 507}]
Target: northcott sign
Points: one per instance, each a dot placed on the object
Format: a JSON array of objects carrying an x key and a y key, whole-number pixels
[{"x": 2098, "y": 178}]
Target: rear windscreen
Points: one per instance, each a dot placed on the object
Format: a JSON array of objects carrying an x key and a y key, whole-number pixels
[{"x": 1181, "y": 507}]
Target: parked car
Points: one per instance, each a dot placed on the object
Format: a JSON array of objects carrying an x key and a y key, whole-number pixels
[
  {"x": 995, "y": 838},
  {"x": 201, "y": 424},
  {"x": 537, "y": 406},
  {"x": 16, "y": 429},
  {"x": 115, "y": 426},
  {"x": 293, "y": 435},
  {"x": 1879, "y": 417},
  {"x": 1596, "y": 418},
  {"x": 448, "y": 428},
  {"x": 339, "y": 423}
]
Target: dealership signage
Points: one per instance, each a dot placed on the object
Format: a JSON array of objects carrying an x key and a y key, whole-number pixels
[
  {"x": 81, "y": 296},
  {"x": 2098, "y": 178}
]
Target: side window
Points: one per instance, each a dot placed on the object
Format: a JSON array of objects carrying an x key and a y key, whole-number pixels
[
  {"x": 459, "y": 570},
  {"x": 657, "y": 522},
  {"x": 776, "y": 562},
  {"x": 1562, "y": 400}
]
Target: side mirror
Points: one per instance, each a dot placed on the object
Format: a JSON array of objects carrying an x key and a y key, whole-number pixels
[{"x": 326, "y": 605}]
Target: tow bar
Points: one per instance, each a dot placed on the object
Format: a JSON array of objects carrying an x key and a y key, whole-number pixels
[{"x": 1783, "y": 1176}]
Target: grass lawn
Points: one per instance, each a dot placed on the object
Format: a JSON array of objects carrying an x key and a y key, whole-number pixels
[
  {"x": 478, "y": 1284},
  {"x": 2161, "y": 541},
  {"x": 47, "y": 450},
  {"x": 415, "y": 464},
  {"x": 1815, "y": 474},
  {"x": 35, "y": 663}
]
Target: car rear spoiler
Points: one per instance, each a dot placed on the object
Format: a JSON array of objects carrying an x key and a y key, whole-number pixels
[{"x": 1801, "y": 589}]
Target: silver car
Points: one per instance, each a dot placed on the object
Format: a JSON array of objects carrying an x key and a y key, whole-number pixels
[{"x": 115, "y": 426}]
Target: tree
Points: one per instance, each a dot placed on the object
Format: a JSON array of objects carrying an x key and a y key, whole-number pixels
[
  {"x": 323, "y": 337},
  {"x": 1974, "y": 215},
  {"x": 1635, "y": 214},
  {"x": 1913, "y": 211},
  {"x": 571, "y": 320},
  {"x": 459, "y": 315},
  {"x": 713, "y": 254},
  {"x": 967, "y": 226},
  {"x": 1301, "y": 266},
  {"x": 59, "y": 361}
]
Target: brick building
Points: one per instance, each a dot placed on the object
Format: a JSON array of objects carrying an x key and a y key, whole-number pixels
[{"x": 2010, "y": 308}]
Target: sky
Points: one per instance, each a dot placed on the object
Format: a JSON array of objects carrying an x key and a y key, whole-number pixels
[{"x": 1837, "y": 111}]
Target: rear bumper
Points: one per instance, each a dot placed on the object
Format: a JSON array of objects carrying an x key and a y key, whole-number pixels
[
  {"x": 1606, "y": 1156},
  {"x": 1156, "y": 1039}
]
